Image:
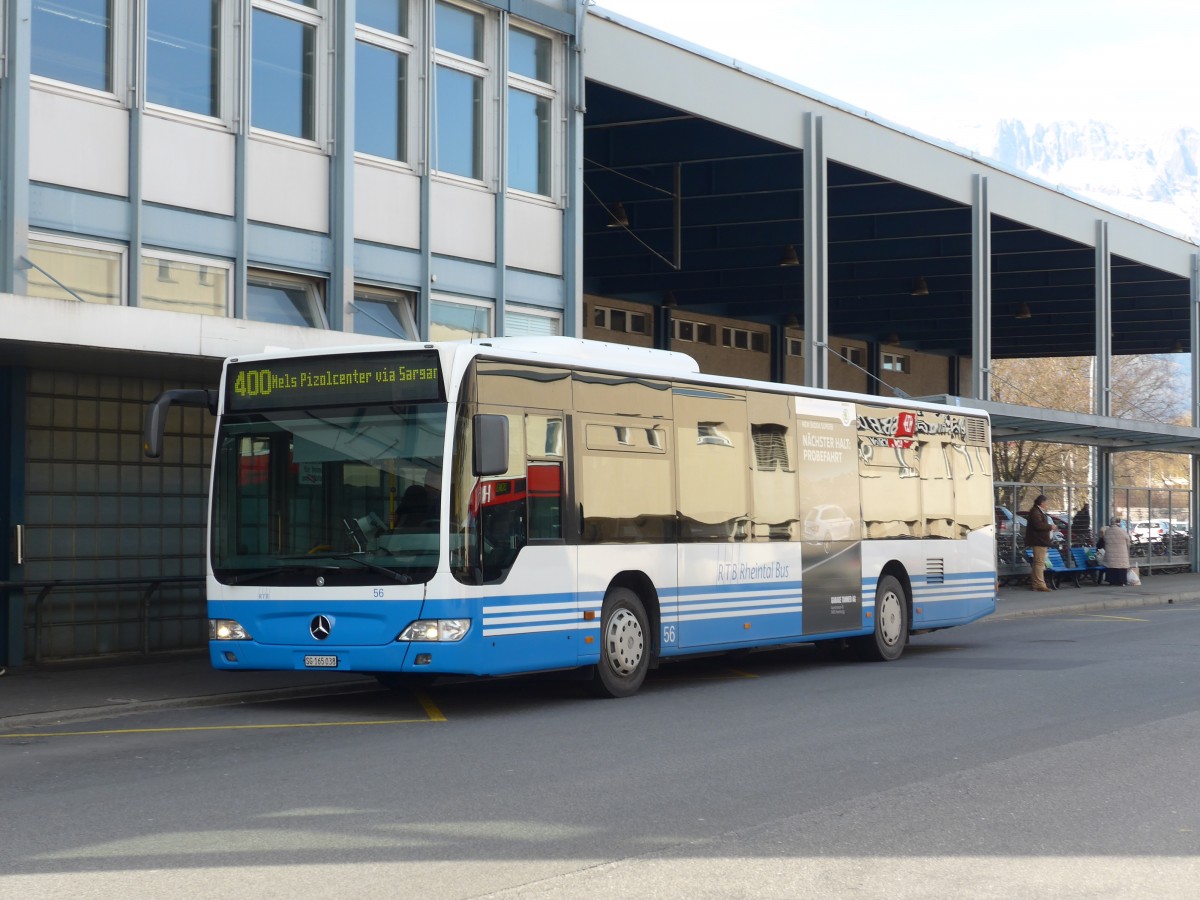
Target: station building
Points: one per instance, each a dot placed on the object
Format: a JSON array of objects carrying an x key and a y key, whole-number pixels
[{"x": 187, "y": 181}]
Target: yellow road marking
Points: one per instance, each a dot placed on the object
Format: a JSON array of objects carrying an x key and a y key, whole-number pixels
[
  {"x": 1115, "y": 618},
  {"x": 740, "y": 674},
  {"x": 427, "y": 704}
]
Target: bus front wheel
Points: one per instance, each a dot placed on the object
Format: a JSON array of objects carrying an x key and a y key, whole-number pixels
[
  {"x": 891, "y": 623},
  {"x": 624, "y": 645}
]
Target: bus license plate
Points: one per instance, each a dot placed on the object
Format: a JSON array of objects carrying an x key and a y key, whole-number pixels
[{"x": 320, "y": 662}]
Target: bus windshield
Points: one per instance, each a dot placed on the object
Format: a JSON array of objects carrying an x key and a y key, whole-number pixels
[{"x": 342, "y": 496}]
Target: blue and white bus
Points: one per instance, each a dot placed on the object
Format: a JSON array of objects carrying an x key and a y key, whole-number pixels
[{"x": 522, "y": 505}]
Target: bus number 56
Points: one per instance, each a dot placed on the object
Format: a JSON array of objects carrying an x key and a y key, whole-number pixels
[{"x": 668, "y": 635}]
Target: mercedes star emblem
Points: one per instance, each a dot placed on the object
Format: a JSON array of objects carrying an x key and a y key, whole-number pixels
[{"x": 320, "y": 627}]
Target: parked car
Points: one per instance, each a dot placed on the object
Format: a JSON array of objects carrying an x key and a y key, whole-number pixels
[
  {"x": 1151, "y": 532},
  {"x": 1007, "y": 523}
]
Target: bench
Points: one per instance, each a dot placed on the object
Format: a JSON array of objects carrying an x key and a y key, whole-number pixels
[
  {"x": 1056, "y": 568},
  {"x": 1095, "y": 569}
]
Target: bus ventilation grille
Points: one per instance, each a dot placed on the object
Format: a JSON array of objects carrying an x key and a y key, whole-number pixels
[
  {"x": 977, "y": 431},
  {"x": 935, "y": 571}
]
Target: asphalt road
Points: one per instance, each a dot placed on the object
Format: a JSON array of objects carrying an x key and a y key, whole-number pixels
[{"x": 1042, "y": 757}]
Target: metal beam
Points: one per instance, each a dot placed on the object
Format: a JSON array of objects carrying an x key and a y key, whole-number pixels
[
  {"x": 816, "y": 254},
  {"x": 981, "y": 291}
]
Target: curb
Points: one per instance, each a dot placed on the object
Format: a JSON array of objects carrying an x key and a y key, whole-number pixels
[{"x": 1123, "y": 602}]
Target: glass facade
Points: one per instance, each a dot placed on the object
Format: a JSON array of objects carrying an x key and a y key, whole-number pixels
[
  {"x": 183, "y": 60},
  {"x": 71, "y": 41},
  {"x": 76, "y": 272},
  {"x": 458, "y": 141},
  {"x": 529, "y": 142},
  {"x": 459, "y": 81},
  {"x": 380, "y": 116},
  {"x": 284, "y": 301},
  {"x": 283, "y": 75},
  {"x": 390, "y": 16},
  {"x": 450, "y": 321},
  {"x": 181, "y": 285}
]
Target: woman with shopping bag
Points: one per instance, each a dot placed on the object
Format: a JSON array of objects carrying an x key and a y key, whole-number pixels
[{"x": 1115, "y": 542}]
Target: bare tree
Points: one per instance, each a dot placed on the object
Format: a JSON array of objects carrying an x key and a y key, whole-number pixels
[{"x": 1145, "y": 388}]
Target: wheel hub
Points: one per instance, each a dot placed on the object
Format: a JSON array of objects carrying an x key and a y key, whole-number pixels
[
  {"x": 624, "y": 642},
  {"x": 889, "y": 618}
]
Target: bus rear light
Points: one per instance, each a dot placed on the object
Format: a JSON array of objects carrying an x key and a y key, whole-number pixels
[
  {"x": 442, "y": 630},
  {"x": 227, "y": 630}
]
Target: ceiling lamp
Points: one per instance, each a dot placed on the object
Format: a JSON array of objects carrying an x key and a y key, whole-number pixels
[
  {"x": 920, "y": 288},
  {"x": 892, "y": 338},
  {"x": 618, "y": 218},
  {"x": 789, "y": 257},
  {"x": 1023, "y": 311},
  {"x": 792, "y": 322},
  {"x": 669, "y": 300}
]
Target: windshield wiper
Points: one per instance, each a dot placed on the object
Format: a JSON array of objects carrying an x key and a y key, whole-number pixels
[
  {"x": 382, "y": 570},
  {"x": 256, "y": 574}
]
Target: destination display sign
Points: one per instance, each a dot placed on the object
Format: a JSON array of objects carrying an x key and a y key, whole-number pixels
[{"x": 350, "y": 380}]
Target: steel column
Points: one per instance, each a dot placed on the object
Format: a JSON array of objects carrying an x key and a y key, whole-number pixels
[
  {"x": 816, "y": 254},
  {"x": 981, "y": 291}
]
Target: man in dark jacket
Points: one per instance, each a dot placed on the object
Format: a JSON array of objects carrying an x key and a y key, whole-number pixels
[{"x": 1037, "y": 536}]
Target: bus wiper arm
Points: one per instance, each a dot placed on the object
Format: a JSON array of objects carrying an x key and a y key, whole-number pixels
[
  {"x": 382, "y": 570},
  {"x": 256, "y": 574}
]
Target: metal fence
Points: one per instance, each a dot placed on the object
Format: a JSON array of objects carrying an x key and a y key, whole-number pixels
[{"x": 1157, "y": 519}]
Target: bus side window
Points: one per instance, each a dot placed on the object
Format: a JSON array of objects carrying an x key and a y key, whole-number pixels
[{"x": 545, "y": 501}]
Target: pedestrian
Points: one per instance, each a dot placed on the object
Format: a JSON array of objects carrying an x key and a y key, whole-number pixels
[
  {"x": 1115, "y": 541},
  {"x": 1037, "y": 537},
  {"x": 1081, "y": 527}
]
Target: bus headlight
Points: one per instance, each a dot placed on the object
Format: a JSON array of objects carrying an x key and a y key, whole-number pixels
[
  {"x": 436, "y": 630},
  {"x": 227, "y": 630}
]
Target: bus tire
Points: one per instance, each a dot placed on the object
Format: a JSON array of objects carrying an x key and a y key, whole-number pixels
[
  {"x": 624, "y": 645},
  {"x": 891, "y": 623}
]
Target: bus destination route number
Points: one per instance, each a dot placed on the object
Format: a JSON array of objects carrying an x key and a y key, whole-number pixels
[{"x": 330, "y": 381}]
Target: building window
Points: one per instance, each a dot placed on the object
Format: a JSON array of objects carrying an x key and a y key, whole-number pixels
[
  {"x": 387, "y": 16},
  {"x": 458, "y": 320},
  {"x": 459, "y": 78},
  {"x": 795, "y": 347},
  {"x": 620, "y": 320},
  {"x": 183, "y": 58},
  {"x": 531, "y": 104},
  {"x": 893, "y": 362},
  {"x": 184, "y": 284},
  {"x": 72, "y": 41},
  {"x": 284, "y": 68},
  {"x": 285, "y": 299},
  {"x": 744, "y": 339},
  {"x": 79, "y": 270},
  {"x": 855, "y": 356},
  {"x": 524, "y": 322},
  {"x": 382, "y": 53},
  {"x": 384, "y": 313},
  {"x": 694, "y": 332}
]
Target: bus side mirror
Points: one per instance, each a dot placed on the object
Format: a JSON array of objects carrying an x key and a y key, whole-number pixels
[
  {"x": 156, "y": 415},
  {"x": 491, "y": 445}
]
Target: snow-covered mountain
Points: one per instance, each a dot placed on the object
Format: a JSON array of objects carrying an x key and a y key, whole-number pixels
[{"x": 1155, "y": 178}]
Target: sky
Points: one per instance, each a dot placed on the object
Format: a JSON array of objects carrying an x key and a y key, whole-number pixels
[{"x": 944, "y": 67}]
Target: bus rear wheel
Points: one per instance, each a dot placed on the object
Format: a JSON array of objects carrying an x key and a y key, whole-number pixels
[
  {"x": 891, "y": 623},
  {"x": 624, "y": 645}
]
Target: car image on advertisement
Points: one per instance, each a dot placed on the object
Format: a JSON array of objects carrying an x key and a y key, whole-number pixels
[{"x": 826, "y": 523}]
